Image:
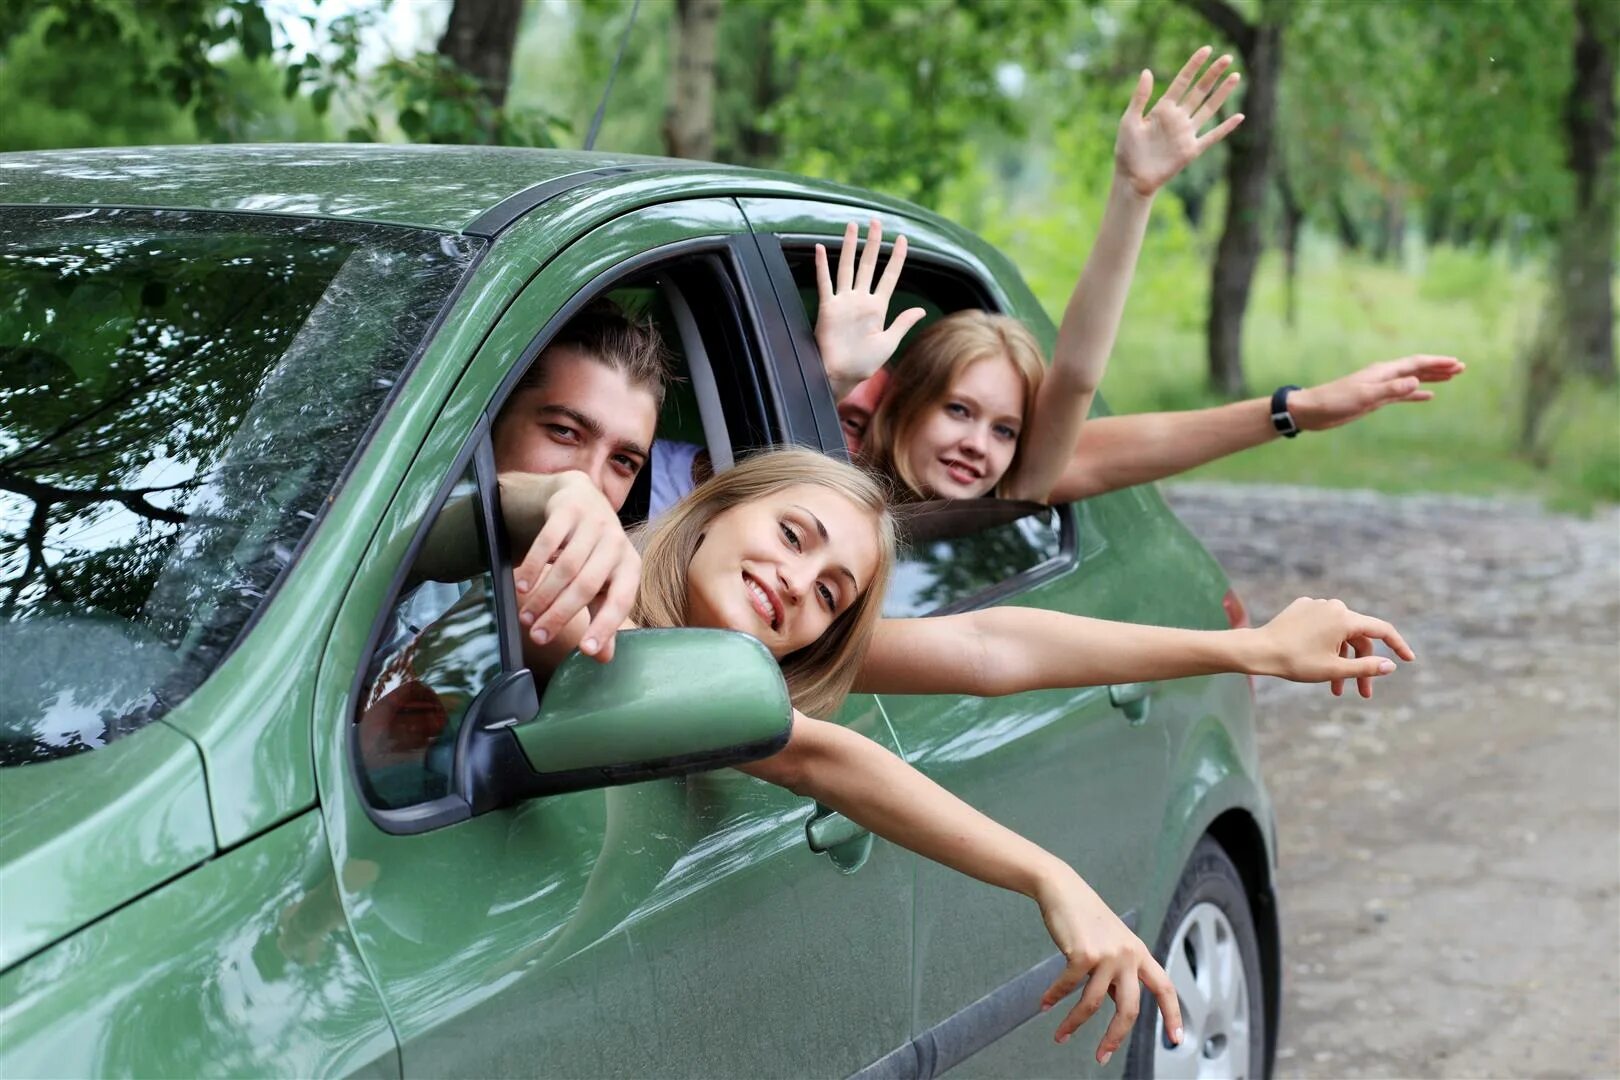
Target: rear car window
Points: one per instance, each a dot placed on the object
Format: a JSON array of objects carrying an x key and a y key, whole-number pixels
[{"x": 180, "y": 394}]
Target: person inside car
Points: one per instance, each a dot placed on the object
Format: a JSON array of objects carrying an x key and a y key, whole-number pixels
[{"x": 578, "y": 584}]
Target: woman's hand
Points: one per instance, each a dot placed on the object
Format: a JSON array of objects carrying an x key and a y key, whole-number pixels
[
  {"x": 1098, "y": 945},
  {"x": 580, "y": 560},
  {"x": 1152, "y": 149},
  {"x": 1324, "y": 641},
  {"x": 849, "y": 321},
  {"x": 1317, "y": 408}
]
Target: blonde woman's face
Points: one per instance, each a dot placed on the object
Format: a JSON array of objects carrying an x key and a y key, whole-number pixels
[
  {"x": 783, "y": 567},
  {"x": 965, "y": 442}
]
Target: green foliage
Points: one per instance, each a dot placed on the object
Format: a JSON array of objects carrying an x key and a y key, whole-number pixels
[
  {"x": 885, "y": 95},
  {"x": 1354, "y": 312},
  {"x": 97, "y": 93},
  {"x": 164, "y": 48}
]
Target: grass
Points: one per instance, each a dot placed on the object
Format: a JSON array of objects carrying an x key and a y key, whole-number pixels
[{"x": 1352, "y": 312}]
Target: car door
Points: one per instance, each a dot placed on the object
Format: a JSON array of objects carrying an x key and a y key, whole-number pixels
[
  {"x": 678, "y": 927},
  {"x": 1082, "y": 772}
]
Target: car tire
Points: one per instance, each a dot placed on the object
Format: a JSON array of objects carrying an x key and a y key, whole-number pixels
[{"x": 1216, "y": 968}]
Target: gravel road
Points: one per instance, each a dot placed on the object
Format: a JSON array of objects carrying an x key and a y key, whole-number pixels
[{"x": 1451, "y": 849}]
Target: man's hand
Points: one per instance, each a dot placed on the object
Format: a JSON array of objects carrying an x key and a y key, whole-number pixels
[
  {"x": 1153, "y": 148},
  {"x": 849, "y": 322},
  {"x": 1317, "y": 408},
  {"x": 1324, "y": 641},
  {"x": 581, "y": 560}
]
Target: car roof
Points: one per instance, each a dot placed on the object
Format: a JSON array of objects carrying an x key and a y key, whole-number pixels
[{"x": 434, "y": 187}]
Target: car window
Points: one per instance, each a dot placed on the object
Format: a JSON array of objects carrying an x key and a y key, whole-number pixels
[
  {"x": 439, "y": 639},
  {"x": 439, "y": 647},
  {"x": 962, "y": 553},
  {"x": 180, "y": 393}
]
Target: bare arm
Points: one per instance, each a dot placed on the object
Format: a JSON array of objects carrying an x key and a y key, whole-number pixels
[
  {"x": 1150, "y": 150},
  {"x": 1085, "y": 338},
  {"x": 866, "y": 783},
  {"x": 1120, "y": 451},
  {"x": 1006, "y": 650}
]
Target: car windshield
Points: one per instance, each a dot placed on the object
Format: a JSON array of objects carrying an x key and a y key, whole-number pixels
[{"x": 180, "y": 394}]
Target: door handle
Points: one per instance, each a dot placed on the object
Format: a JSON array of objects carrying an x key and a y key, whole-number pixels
[
  {"x": 840, "y": 839},
  {"x": 1133, "y": 698}
]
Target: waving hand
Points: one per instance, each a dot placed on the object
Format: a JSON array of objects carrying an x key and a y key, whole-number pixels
[
  {"x": 849, "y": 323},
  {"x": 1153, "y": 147}
]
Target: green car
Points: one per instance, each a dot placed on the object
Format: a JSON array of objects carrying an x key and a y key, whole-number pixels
[{"x": 238, "y": 383}]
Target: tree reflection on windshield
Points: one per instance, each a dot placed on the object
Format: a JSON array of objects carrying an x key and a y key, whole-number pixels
[{"x": 178, "y": 395}]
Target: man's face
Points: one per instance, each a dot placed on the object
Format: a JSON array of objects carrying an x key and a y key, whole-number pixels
[{"x": 584, "y": 416}]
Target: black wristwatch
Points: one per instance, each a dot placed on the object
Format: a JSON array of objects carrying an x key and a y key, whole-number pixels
[{"x": 1281, "y": 418}]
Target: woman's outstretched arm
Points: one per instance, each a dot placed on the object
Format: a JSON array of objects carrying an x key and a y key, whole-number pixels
[
  {"x": 1150, "y": 150},
  {"x": 1120, "y": 451},
  {"x": 1006, "y": 650},
  {"x": 871, "y": 786}
]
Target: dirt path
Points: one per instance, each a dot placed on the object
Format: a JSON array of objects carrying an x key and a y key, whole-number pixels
[{"x": 1451, "y": 849}]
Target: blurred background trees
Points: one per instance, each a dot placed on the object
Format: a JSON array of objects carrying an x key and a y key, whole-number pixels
[{"x": 1411, "y": 176}]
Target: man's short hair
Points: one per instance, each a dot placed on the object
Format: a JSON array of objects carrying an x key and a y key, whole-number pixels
[{"x": 630, "y": 345}]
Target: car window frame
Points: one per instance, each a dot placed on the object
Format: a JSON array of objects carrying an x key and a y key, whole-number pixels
[
  {"x": 774, "y": 249},
  {"x": 477, "y": 451}
]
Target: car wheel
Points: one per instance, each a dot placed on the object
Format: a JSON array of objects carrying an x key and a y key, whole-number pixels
[{"x": 1211, "y": 951}]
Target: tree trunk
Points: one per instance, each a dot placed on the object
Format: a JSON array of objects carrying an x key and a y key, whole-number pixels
[
  {"x": 1575, "y": 332},
  {"x": 1247, "y": 172},
  {"x": 756, "y": 144},
  {"x": 480, "y": 38},
  {"x": 689, "y": 117},
  {"x": 1391, "y": 230},
  {"x": 1588, "y": 250},
  {"x": 1293, "y": 221},
  {"x": 1349, "y": 231}
]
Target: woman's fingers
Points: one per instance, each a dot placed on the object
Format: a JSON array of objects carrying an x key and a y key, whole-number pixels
[
  {"x": 1071, "y": 977},
  {"x": 1091, "y": 1000},
  {"x": 1157, "y": 980},
  {"x": 824, "y": 289},
  {"x": 1213, "y": 105},
  {"x": 1127, "y": 1004},
  {"x": 846, "y": 256},
  {"x": 1215, "y": 135},
  {"x": 1139, "y": 98},
  {"x": 1363, "y": 648},
  {"x": 1198, "y": 97},
  {"x": 1336, "y": 686},
  {"x": 902, "y": 323},
  {"x": 1184, "y": 77},
  {"x": 869, "y": 256},
  {"x": 1378, "y": 629},
  {"x": 891, "y": 273},
  {"x": 1367, "y": 667}
]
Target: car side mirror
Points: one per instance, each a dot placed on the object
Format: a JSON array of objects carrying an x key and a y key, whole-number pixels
[{"x": 669, "y": 702}]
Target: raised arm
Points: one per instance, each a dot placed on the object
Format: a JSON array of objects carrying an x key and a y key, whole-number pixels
[
  {"x": 867, "y": 784},
  {"x": 1006, "y": 650},
  {"x": 1121, "y": 451},
  {"x": 1151, "y": 149}
]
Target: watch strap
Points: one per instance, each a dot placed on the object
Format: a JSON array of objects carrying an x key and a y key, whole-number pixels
[{"x": 1281, "y": 418}]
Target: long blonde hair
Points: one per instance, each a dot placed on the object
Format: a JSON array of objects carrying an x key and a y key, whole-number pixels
[
  {"x": 819, "y": 675},
  {"x": 922, "y": 378}
]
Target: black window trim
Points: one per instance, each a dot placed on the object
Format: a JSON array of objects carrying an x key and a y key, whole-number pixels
[{"x": 455, "y": 807}]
